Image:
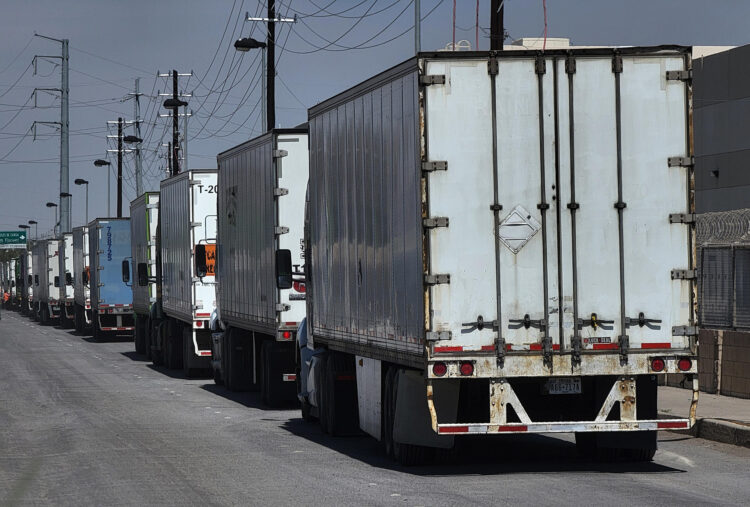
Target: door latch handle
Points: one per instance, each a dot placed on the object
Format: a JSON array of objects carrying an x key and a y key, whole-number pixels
[
  {"x": 527, "y": 323},
  {"x": 480, "y": 324},
  {"x": 641, "y": 321},
  {"x": 595, "y": 322}
]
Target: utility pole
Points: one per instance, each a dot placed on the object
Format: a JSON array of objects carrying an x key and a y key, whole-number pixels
[
  {"x": 417, "y": 27},
  {"x": 271, "y": 71},
  {"x": 137, "y": 119},
  {"x": 119, "y": 167},
  {"x": 175, "y": 128},
  {"x": 497, "y": 25},
  {"x": 185, "y": 138},
  {"x": 65, "y": 222}
]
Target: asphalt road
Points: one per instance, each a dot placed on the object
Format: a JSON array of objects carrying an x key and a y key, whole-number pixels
[{"x": 85, "y": 423}]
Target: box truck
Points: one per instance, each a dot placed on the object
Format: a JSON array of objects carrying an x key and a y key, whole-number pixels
[
  {"x": 26, "y": 281},
  {"x": 180, "y": 333},
  {"x": 46, "y": 281},
  {"x": 81, "y": 294},
  {"x": 502, "y": 243},
  {"x": 262, "y": 185},
  {"x": 144, "y": 219},
  {"x": 67, "y": 299},
  {"x": 109, "y": 277}
]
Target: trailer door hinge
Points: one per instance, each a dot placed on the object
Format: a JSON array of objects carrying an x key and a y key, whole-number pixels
[
  {"x": 682, "y": 218},
  {"x": 280, "y": 153},
  {"x": 540, "y": 65},
  {"x": 617, "y": 64},
  {"x": 280, "y": 230},
  {"x": 152, "y": 206},
  {"x": 684, "y": 274},
  {"x": 283, "y": 307},
  {"x": 196, "y": 224},
  {"x": 280, "y": 191},
  {"x": 433, "y": 336},
  {"x": 435, "y": 165},
  {"x": 681, "y": 161},
  {"x": 679, "y": 75},
  {"x": 432, "y": 223},
  {"x": 492, "y": 66},
  {"x": 437, "y": 279},
  {"x": 431, "y": 79},
  {"x": 684, "y": 330}
]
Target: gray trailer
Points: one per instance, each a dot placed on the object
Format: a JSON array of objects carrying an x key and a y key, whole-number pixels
[
  {"x": 489, "y": 230},
  {"x": 81, "y": 293},
  {"x": 261, "y": 212},
  {"x": 144, "y": 219}
]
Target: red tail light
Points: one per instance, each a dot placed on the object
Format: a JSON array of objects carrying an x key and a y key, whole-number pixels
[
  {"x": 657, "y": 364},
  {"x": 684, "y": 364},
  {"x": 467, "y": 369},
  {"x": 439, "y": 369},
  {"x": 198, "y": 323},
  {"x": 299, "y": 287}
]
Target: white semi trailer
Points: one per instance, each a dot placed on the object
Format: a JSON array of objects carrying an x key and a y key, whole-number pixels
[
  {"x": 262, "y": 187},
  {"x": 502, "y": 243},
  {"x": 81, "y": 293},
  {"x": 46, "y": 273},
  {"x": 144, "y": 219},
  {"x": 65, "y": 282},
  {"x": 179, "y": 326}
]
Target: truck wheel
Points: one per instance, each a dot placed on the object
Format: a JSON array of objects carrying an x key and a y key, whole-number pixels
[
  {"x": 157, "y": 343},
  {"x": 340, "y": 401},
  {"x": 147, "y": 337},
  {"x": 322, "y": 392},
  {"x": 187, "y": 352},
  {"x": 98, "y": 333},
  {"x": 216, "y": 371},
  {"x": 265, "y": 377},
  {"x": 138, "y": 338},
  {"x": 77, "y": 318}
]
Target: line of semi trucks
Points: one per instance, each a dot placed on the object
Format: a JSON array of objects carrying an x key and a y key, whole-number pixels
[{"x": 467, "y": 243}]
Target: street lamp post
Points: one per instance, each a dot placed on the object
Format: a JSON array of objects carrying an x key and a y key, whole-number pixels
[
  {"x": 70, "y": 206},
  {"x": 36, "y": 228},
  {"x": 81, "y": 181},
  {"x": 101, "y": 163},
  {"x": 245, "y": 45},
  {"x": 54, "y": 227}
]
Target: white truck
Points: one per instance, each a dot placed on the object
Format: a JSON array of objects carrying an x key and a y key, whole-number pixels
[
  {"x": 144, "y": 219},
  {"x": 27, "y": 279},
  {"x": 180, "y": 331},
  {"x": 65, "y": 282},
  {"x": 262, "y": 187},
  {"x": 502, "y": 243},
  {"x": 81, "y": 292},
  {"x": 46, "y": 281}
]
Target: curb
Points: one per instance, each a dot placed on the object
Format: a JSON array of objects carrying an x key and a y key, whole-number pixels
[{"x": 719, "y": 430}]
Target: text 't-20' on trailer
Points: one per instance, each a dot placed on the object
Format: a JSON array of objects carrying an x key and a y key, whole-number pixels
[
  {"x": 261, "y": 290},
  {"x": 109, "y": 276},
  {"x": 503, "y": 230}
]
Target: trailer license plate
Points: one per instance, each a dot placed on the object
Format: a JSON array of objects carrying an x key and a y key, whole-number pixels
[{"x": 564, "y": 386}]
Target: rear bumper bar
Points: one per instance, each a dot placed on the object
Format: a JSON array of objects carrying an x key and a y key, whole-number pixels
[{"x": 563, "y": 427}]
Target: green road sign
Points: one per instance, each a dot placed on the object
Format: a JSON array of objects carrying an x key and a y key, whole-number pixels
[{"x": 12, "y": 239}]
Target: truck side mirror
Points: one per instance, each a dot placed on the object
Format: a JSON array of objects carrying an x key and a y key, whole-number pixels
[
  {"x": 201, "y": 263},
  {"x": 142, "y": 274},
  {"x": 125, "y": 271},
  {"x": 85, "y": 277},
  {"x": 68, "y": 279},
  {"x": 284, "y": 269},
  {"x": 57, "y": 281}
]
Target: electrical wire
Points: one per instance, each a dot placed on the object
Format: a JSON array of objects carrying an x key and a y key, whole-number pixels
[
  {"x": 16, "y": 81},
  {"x": 18, "y": 55}
]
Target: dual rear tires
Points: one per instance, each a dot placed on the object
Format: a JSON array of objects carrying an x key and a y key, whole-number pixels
[{"x": 338, "y": 410}]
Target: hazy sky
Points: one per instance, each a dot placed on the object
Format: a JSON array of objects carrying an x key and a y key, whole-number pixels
[{"x": 113, "y": 42}]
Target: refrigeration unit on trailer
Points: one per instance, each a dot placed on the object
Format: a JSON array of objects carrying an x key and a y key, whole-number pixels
[
  {"x": 502, "y": 243},
  {"x": 81, "y": 274},
  {"x": 109, "y": 276},
  {"x": 261, "y": 290},
  {"x": 65, "y": 260},
  {"x": 46, "y": 281},
  {"x": 26, "y": 281},
  {"x": 144, "y": 216},
  {"x": 186, "y": 298}
]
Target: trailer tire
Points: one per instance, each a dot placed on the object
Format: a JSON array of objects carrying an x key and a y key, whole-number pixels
[
  {"x": 187, "y": 350},
  {"x": 98, "y": 334},
  {"x": 139, "y": 338},
  {"x": 340, "y": 398},
  {"x": 77, "y": 321},
  {"x": 147, "y": 337},
  {"x": 322, "y": 391},
  {"x": 157, "y": 356}
]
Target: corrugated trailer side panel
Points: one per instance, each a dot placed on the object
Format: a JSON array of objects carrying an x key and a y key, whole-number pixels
[
  {"x": 366, "y": 218},
  {"x": 80, "y": 264},
  {"x": 175, "y": 246},
  {"x": 246, "y": 228}
]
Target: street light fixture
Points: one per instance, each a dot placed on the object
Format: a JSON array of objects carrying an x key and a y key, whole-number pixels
[
  {"x": 81, "y": 181},
  {"x": 246, "y": 44},
  {"x": 36, "y": 228},
  {"x": 53, "y": 205},
  {"x": 101, "y": 163},
  {"x": 172, "y": 104},
  {"x": 132, "y": 139}
]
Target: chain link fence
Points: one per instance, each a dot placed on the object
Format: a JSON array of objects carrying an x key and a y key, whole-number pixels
[{"x": 723, "y": 241}]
